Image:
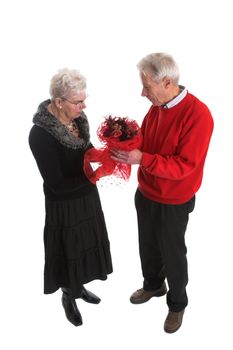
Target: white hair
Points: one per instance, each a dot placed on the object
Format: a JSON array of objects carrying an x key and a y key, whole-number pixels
[
  {"x": 66, "y": 82},
  {"x": 159, "y": 65}
]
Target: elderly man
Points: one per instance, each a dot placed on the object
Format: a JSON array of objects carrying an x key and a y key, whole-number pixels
[{"x": 176, "y": 135}]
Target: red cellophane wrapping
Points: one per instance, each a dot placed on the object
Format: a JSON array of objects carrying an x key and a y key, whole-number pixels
[{"x": 114, "y": 133}]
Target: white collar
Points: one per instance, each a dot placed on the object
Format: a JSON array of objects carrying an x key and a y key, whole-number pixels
[{"x": 177, "y": 99}]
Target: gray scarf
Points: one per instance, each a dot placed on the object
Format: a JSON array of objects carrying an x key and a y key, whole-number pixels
[{"x": 47, "y": 121}]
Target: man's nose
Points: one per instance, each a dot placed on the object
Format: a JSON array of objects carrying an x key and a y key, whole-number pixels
[{"x": 143, "y": 93}]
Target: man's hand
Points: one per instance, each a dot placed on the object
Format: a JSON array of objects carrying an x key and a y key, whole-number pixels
[{"x": 132, "y": 157}]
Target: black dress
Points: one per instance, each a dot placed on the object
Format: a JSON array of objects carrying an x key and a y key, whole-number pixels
[{"x": 77, "y": 248}]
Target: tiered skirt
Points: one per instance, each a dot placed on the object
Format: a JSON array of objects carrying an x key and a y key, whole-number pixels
[{"x": 77, "y": 248}]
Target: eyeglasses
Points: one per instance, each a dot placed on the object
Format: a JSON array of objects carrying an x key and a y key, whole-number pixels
[{"x": 77, "y": 103}]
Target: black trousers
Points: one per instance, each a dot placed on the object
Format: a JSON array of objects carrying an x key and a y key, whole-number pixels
[{"x": 162, "y": 247}]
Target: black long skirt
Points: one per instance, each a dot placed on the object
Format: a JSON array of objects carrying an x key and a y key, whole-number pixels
[{"x": 77, "y": 248}]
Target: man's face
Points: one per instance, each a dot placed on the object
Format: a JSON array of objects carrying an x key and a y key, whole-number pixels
[{"x": 157, "y": 93}]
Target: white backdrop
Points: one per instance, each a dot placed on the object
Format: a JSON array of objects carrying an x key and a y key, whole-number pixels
[{"x": 105, "y": 40}]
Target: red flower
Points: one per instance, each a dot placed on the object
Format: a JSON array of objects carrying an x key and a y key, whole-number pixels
[{"x": 117, "y": 127}]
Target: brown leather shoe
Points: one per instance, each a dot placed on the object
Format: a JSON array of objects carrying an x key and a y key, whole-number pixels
[
  {"x": 141, "y": 295},
  {"x": 173, "y": 321}
]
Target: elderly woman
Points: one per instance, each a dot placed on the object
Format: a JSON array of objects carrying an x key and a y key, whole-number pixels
[{"x": 76, "y": 242}]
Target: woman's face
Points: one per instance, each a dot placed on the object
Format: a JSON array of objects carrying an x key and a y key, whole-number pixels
[{"x": 73, "y": 106}]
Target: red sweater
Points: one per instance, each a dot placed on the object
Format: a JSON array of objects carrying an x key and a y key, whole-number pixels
[{"x": 174, "y": 149}]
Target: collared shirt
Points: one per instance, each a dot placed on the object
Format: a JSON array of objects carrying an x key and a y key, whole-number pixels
[{"x": 177, "y": 99}]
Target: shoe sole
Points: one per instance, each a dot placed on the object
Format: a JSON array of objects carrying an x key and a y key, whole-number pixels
[
  {"x": 90, "y": 302},
  {"x": 173, "y": 331}
]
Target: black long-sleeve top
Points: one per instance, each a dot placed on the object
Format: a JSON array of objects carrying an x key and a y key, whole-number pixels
[{"x": 61, "y": 167}]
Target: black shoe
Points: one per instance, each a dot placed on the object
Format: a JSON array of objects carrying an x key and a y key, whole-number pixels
[
  {"x": 71, "y": 310},
  {"x": 89, "y": 297}
]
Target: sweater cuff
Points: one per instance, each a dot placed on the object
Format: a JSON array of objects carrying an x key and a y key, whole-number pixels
[{"x": 146, "y": 160}]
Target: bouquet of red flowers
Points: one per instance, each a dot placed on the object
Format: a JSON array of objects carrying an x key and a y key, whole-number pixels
[{"x": 115, "y": 133}]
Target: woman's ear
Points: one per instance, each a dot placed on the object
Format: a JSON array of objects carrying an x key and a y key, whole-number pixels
[{"x": 58, "y": 102}]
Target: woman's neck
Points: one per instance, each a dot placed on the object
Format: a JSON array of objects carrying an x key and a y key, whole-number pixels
[{"x": 58, "y": 113}]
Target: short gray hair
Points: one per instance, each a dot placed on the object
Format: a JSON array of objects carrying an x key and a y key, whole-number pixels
[
  {"x": 65, "y": 82},
  {"x": 159, "y": 65}
]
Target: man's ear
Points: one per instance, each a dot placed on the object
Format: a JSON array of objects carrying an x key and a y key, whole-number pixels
[{"x": 166, "y": 82}]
